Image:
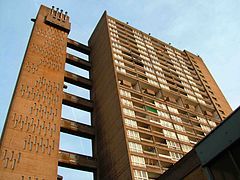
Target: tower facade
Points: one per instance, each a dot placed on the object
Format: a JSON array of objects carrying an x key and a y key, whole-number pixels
[
  {"x": 153, "y": 101},
  {"x": 30, "y": 139},
  {"x": 150, "y": 103}
]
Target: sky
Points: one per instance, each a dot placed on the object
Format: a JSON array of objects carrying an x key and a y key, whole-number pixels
[{"x": 207, "y": 28}]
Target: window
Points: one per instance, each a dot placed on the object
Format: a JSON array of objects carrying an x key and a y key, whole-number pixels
[
  {"x": 153, "y": 57},
  {"x": 173, "y": 110},
  {"x": 175, "y": 156},
  {"x": 202, "y": 120},
  {"x": 188, "y": 91},
  {"x": 193, "y": 83},
  {"x": 211, "y": 123},
  {"x": 160, "y": 105},
  {"x": 168, "y": 48},
  {"x": 120, "y": 63},
  {"x": 115, "y": 49},
  {"x": 125, "y": 93},
  {"x": 138, "y": 161},
  {"x": 195, "y": 88},
  {"x": 120, "y": 69},
  {"x": 130, "y": 123},
  {"x": 186, "y": 84},
  {"x": 145, "y": 58},
  {"x": 138, "y": 37},
  {"x": 161, "y": 80},
  {"x": 128, "y": 112},
  {"x": 178, "y": 53},
  {"x": 176, "y": 118},
  {"x": 116, "y": 44},
  {"x": 181, "y": 60},
  {"x": 198, "y": 95},
  {"x": 164, "y": 86},
  {"x": 150, "y": 92},
  {"x": 140, "y": 43},
  {"x": 160, "y": 74},
  {"x": 179, "y": 128},
  {"x": 189, "y": 77},
  {"x": 170, "y": 53},
  {"x": 166, "y": 124},
  {"x": 111, "y": 21},
  {"x": 114, "y": 39},
  {"x": 150, "y": 75},
  {"x": 172, "y": 144},
  {"x": 205, "y": 128},
  {"x": 186, "y": 148},
  {"x": 169, "y": 134},
  {"x": 201, "y": 101},
  {"x": 183, "y": 138},
  {"x": 150, "y": 47},
  {"x": 117, "y": 56},
  {"x": 157, "y": 67},
  {"x": 150, "y": 81},
  {"x": 146, "y": 62},
  {"x": 141, "y": 47},
  {"x": 180, "y": 57},
  {"x": 191, "y": 97},
  {"x": 135, "y": 147},
  {"x": 133, "y": 135},
  {"x": 163, "y": 114},
  {"x": 140, "y": 175},
  {"x": 143, "y": 52},
  {"x": 187, "y": 72},
  {"x": 179, "y": 72},
  {"x": 127, "y": 102},
  {"x": 174, "y": 60},
  {"x": 183, "y": 79},
  {"x": 184, "y": 66}
]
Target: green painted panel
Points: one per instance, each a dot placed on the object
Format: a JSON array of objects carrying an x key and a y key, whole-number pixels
[{"x": 151, "y": 109}]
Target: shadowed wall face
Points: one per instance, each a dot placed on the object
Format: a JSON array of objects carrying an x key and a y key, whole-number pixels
[
  {"x": 30, "y": 140},
  {"x": 113, "y": 162}
]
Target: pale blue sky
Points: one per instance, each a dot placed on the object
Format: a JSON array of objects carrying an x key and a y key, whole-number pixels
[{"x": 208, "y": 28}]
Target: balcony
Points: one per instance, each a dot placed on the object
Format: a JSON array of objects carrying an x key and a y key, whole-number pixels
[
  {"x": 77, "y": 102},
  {"x": 79, "y": 129},
  {"x": 77, "y": 80},
  {"x": 78, "y": 46},
  {"x": 79, "y": 62},
  {"x": 76, "y": 161}
]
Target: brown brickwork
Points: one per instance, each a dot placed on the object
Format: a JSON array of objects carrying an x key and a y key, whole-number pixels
[
  {"x": 30, "y": 141},
  {"x": 214, "y": 92},
  {"x": 165, "y": 105},
  {"x": 113, "y": 162},
  {"x": 150, "y": 103}
]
